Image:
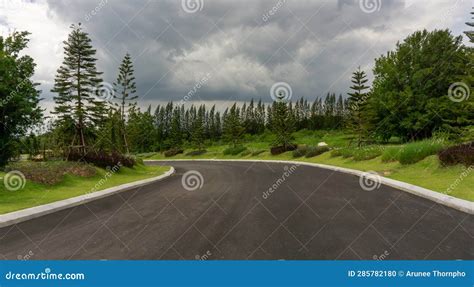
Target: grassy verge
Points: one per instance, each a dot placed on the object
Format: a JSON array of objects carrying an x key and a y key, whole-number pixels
[
  {"x": 34, "y": 194},
  {"x": 427, "y": 172}
]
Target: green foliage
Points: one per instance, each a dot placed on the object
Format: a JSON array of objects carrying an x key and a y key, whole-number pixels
[
  {"x": 410, "y": 90},
  {"x": 19, "y": 99},
  {"x": 366, "y": 153},
  {"x": 316, "y": 150},
  {"x": 300, "y": 151},
  {"x": 257, "y": 152},
  {"x": 234, "y": 150},
  {"x": 196, "y": 152},
  {"x": 173, "y": 152},
  {"x": 416, "y": 151},
  {"x": 391, "y": 154}
]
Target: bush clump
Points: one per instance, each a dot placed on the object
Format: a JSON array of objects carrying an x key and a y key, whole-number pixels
[
  {"x": 196, "y": 152},
  {"x": 367, "y": 153},
  {"x": 102, "y": 159},
  {"x": 234, "y": 150},
  {"x": 245, "y": 152},
  {"x": 316, "y": 150},
  {"x": 300, "y": 151},
  {"x": 172, "y": 152},
  {"x": 459, "y": 154},
  {"x": 281, "y": 149},
  {"x": 417, "y": 151}
]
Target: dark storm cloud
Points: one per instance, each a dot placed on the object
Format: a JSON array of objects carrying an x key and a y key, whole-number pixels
[{"x": 245, "y": 46}]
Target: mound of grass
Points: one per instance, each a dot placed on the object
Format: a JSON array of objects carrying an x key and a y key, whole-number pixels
[
  {"x": 196, "y": 152},
  {"x": 300, "y": 151},
  {"x": 52, "y": 172},
  {"x": 367, "y": 153},
  {"x": 316, "y": 150},
  {"x": 173, "y": 152},
  {"x": 245, "y": 153},
  {"x": 416, "y": 151},
  {"x": 258, "y": 152},
  {"x": 459, "y": 154},
  {"x": 234, "y": 150},
  {"x": 391, "y": 154}
]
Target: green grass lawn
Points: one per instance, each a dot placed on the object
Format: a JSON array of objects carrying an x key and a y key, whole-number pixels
[
  {"x": 427, "y": 173},
  {"x": 34, "y": 194}
]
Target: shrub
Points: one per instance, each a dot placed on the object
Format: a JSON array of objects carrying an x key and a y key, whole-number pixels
[
  {"x": 281, "y": 149},
  {"x": 51, "y": 172},
  {"x": 416, "y": 151},
  {"x": 172, "y": 152},
  {"x": 317, "y": 150},
  {"x": 300, "y": 151},
  {"x": 102, "y": 159},
  {"x": 196, "y": 152},
  {"x": 391, "y": 154},
  {"x": 245, "y": 153},
  {"x": 459, "y": 154},
  {"x": 234, "y": 150},
  {"x": 367, "y": 153},
  {"x": 257, "y": 152}
]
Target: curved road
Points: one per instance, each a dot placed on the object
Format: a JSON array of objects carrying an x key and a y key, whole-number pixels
[{"x": 312, "y": 213}]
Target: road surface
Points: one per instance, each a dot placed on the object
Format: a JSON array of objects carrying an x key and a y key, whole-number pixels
[{"x": 243, "y": 210}]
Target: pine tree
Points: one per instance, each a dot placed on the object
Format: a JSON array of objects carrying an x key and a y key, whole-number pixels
[
  {"x": 197, "y": 130},
  {"x": 283, "y": 124},
  {"x": 470, "y": 34},
  {"x": 233, "y": 129},
  {"x": 357, "y": 101},
  {"x": 76, "y": 81},
  {"x": 124, "y": 93}
]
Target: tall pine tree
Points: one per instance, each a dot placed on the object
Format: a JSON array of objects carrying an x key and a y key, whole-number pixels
[
  {"x": 124, "y": 93},
  {"x": 357, "y": 101},
  {"x": 77, "y": 80}
]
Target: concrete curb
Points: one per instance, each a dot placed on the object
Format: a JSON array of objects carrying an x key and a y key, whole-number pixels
[
  {"x": 37, "y": 211},
  {"x": 444, "y": 199}
]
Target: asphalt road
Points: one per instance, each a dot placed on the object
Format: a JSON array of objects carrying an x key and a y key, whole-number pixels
[{"x": 312, "y": 213}]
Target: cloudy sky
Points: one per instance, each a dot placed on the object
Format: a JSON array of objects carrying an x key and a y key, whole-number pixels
[{"x": 225, "y": 50}]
